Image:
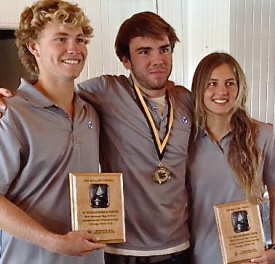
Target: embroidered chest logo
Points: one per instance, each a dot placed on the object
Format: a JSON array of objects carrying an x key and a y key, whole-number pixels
[
  {"x": 184, "y": 120},
  {"x": 90, "y": 125}
]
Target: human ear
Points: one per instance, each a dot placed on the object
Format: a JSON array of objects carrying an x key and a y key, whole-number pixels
[
  {"x": 126, "y": 63},
  {"x": 33, "y": 48}
]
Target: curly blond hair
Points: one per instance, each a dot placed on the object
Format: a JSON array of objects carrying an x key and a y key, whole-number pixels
[{"x": 33, "y": 20}]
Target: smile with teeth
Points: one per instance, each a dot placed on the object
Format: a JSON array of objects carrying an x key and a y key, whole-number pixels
[
  {"x": 71, "y": 61},
  {"x": 220, "y": 101}
]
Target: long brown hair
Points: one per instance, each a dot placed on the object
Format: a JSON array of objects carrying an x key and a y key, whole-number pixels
[{"x": 244, "y": 156}]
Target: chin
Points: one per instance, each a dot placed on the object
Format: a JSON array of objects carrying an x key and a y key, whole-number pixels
[
  {"x": 158, "y": 86},
  {"x": 71, "y": 77}
]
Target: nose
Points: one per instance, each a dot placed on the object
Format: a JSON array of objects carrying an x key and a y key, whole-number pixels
[
  {"x": 73, "y": 47},
  {"x": 157, "y": 58},
  {"x": 222, "y": 89}
]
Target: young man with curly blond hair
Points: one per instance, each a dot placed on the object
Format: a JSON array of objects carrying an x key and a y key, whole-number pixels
[{"x": 47, "y": 132}]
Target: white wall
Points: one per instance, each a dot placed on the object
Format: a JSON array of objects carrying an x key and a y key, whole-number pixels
[
  {"x": 252, "y": 43},
  {"x": 208, "y": 30},
  {"x": 190, "y": 18},
  {"x": 244, "y": 28},
  {"x": 10, "y": 11}
]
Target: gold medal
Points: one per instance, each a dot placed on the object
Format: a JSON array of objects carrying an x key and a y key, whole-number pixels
[{"x": 161, "y": 174}]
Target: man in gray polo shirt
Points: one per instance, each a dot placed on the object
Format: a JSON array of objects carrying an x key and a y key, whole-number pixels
[
  {"x": 145, "y": 126},
  {"x": 47, "y": 132}
]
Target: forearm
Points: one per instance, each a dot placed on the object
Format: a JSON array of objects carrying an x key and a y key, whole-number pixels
[{"x": 16, "y": 222}]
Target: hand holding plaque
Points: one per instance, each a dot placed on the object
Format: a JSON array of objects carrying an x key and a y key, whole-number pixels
[
  {"x": 240, "y": 231},
  {"x": 97, "y": 205}
]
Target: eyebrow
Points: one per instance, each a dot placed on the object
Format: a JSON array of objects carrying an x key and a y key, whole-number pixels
[
  {"x": 143, "y": 48},
  {"x": 149, "y": 48},
  {"x": 229, "y": 79},
  {"x": 66, "y": 34},
  {"x": 165, "y": 46}
]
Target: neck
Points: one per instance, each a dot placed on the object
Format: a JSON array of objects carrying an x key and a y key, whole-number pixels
[
  {"x": 218, "y": 127},
  {"x": 60, "y": 93}
]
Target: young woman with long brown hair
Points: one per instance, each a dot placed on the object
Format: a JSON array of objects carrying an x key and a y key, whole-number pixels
[{"x": 232, "y": 155}]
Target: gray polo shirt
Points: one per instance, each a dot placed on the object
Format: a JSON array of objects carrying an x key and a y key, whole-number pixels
[
  {"x": 156, "y": 216},
  {"x": 40, "y": 145},
  {"x": 213, "y": 182}
]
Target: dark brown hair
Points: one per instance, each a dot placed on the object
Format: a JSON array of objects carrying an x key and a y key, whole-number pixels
[{"x": 144, "y": 24}]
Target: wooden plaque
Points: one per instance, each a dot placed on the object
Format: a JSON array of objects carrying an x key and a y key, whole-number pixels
[
  {"x": 240, "y": 231},
  {"x": 97, "y": 205}
]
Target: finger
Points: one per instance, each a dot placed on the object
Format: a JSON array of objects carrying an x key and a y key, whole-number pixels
[
  {"x": 97, "y": 244},
  {"x": 91, "y": 236},
  {"x": 5, "y": 92},
  {"x": 258, "y": 260}
]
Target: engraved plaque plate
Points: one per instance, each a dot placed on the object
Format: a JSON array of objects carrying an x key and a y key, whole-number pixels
[
  {"x": 97, "y": 205},
  {"x": 240, "y": 231}
]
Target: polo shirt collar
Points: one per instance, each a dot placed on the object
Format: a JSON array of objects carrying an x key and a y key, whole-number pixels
[
  {"x": 204, "y": 133},
  {"x": 36, "y": 98}
]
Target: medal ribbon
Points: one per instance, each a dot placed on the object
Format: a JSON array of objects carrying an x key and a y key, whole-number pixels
[{"x": 160, "y": 146}]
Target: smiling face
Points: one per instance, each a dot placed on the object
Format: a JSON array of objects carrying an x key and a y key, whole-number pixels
[
  {"x": 150, "y": 64},
  {"x": 60, "y": 52},
  {"x": 221, "y": 92}
]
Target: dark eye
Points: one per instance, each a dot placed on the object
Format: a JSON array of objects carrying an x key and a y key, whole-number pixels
[
  {"x": 81, "y": 40},
  {"x": 212, "y": 84},
  {"x": 61, "y": 39},
  {"x": 166, "y": 49},
  {"x": 143, "y": 52},
  {"x": 230, "y": 83}
]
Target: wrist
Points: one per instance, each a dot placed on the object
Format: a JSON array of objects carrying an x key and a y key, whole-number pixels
[{"x": 52, "y": 242}]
